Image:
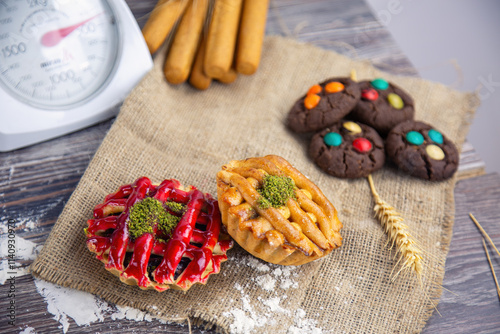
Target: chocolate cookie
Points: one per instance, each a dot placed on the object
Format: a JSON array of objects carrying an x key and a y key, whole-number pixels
[
  {"x": 382, "y": 106},
  {"x": 348, "y": 150},
  {"x": 422, "y": 151},
  {"x": 323, "y": 105}
]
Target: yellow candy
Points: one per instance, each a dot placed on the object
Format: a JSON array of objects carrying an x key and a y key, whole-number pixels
[
  {"x": 435, "y": 152},
  {"x": 352, "y": 127},
  {"x": 395, "y": 101}
]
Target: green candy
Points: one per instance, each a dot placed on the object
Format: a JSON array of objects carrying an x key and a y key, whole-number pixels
[
  {"x": 380, "y": 83},
  {"x": 415, "y": 138},
  {"x": 435, "y": 136},
  {"x": 395, "y": 101},
  {"x": 332, "y": 139}
]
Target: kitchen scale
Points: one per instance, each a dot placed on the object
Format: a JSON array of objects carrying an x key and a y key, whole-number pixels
[{"x": 65, "y": 65}]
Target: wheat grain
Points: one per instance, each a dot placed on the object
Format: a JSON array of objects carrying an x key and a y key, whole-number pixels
[{"x": 399, "y": 236}]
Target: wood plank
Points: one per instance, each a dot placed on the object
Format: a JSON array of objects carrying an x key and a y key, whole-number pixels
[{"x": 472, "y": 306}]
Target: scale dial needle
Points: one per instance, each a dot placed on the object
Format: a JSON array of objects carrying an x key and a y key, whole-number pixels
[{"x": 53, "y": 37}]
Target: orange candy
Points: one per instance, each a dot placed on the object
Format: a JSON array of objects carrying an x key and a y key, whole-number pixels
[
  {"x": 311, "y": 101},
  {"x": 314, "y": 90},
  {"x": 334, "y": 87}
]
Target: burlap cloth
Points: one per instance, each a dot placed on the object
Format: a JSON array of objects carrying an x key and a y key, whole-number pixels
[{"x": 166, "y": 131}]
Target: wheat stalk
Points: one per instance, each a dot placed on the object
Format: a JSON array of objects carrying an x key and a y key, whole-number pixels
[
  {"x": 486, "y": 250},
  {"x": 483, "y": 232},
  {"x": 491, "y": 267},
  {"x": 410, "y": 254}
]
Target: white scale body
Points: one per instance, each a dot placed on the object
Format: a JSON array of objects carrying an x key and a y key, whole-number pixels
[{"x": 65, "y": 65}]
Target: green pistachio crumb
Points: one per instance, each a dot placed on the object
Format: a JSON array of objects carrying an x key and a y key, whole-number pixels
[
  {"x": 168, "y": 224},
  {"x": 161, "y": 240},
  {"x": 263, "y": 203},
  {"x": 176, "y": 207},
  {"x": 147, "y": 214},
  {"x": 275, "y": 191}
]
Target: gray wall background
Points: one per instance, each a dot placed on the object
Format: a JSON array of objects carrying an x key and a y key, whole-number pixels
[{"x": 457, "y": 43}]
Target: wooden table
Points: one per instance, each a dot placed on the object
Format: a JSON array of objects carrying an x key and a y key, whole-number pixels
[{"x": 36, "y": 182}]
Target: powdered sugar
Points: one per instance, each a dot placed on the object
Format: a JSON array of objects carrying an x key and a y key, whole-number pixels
[
  {"x": 288, "y": 283},
  {"x": 83, "y": 308},
  {"x": 130, "y": 314},
  {"x": 251, "y": 316},
  {"x": 25, "y": 250},
  {"x": 303, "y": 325},
  {"x": 242, "y": 323},
  {"x": 29, "y": 225},
  {"x": 274, "y": 305},
  {"x": 28, "y": 330},
  {"x": 266, "y": 282},
  {"x": 246, "y": 319},
  {"x": 257, "y": 264}
]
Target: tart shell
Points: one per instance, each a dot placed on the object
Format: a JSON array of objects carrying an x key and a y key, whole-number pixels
[
  {"x": 305, "y": 229},
  {"x": 192, "y": 252}
]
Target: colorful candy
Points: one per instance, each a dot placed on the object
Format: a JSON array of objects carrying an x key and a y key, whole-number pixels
[
  {"x": 334, "y": 87},
  {"x": 332, "y": 139},
  {"x": 415, "y": 138},
  {"x": 362, "y": 145},
  {"x": 314, "y": 90},
  {"x": 369, "y": 94},
  {"x": 435, "y": 152},
  {"x": 311, "y": 101},
  {"x": 435, "y": 136},
  {"x": 395, "y": 101},
  {"x": 380, "y": 83},
  {"x": 352, "y": 127}
]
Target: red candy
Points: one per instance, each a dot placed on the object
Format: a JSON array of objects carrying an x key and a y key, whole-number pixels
[
  {"x": 369, "y": 94},
  {"x": 362, "y": 145}
]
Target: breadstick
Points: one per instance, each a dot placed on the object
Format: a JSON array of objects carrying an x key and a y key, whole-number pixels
[
  {"x": 251, "y": 35},
  {"x": 161, "y": 21},
  {"x": 221, "y": 40},
  {"x": 228, "y": 77},
  {"x": 198, "y": 79},
  {"x": 186, "y": 40}
]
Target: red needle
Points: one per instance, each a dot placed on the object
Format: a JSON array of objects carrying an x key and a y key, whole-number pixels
[{"x": 53, "y": 37}]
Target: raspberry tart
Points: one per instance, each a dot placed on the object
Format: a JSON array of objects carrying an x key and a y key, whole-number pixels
[
  {"x": 276, "y": 213},
  {"x": 159, "y": 237}
]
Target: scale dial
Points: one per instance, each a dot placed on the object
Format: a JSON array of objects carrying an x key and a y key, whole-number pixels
[{"x": 56, "y": 53}]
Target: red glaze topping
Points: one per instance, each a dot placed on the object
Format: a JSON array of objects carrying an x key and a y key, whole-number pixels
[
  {"x": 195, "y": 239},
  {"x": 369, "y": 94},
  {"x": 362, "y": 145}
]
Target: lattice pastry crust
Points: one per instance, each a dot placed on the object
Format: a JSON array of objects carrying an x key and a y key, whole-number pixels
[
  {"x": 192, "y": 251},
  {"x": 303, "y": 230}
]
